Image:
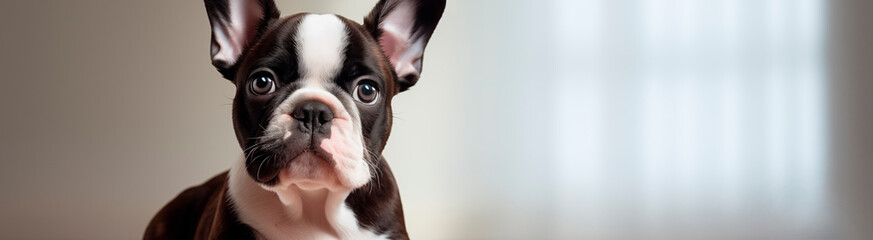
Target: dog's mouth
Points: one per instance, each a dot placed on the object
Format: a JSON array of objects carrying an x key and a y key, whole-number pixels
[
  {"x": 271, "y": 163},
  {"x": 310, "y": 137},
  {"x": 310, "y": 169}
]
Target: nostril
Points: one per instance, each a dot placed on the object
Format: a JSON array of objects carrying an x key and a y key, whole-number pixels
[
  {"x": 300, "y": 114},
  {"x": 325, "y": 116}
]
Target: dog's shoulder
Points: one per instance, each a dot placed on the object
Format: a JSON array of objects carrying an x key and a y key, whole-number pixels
[{"x": 198, "y": 212}]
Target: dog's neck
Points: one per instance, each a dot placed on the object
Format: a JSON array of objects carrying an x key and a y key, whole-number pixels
[{"x": 293, "y": 213}]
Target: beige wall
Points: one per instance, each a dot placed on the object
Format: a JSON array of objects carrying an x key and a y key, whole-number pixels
[{"x": 850, "y": 60}]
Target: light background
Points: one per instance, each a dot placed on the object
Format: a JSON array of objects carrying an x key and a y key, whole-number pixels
[{"x": 656, "y": 119}]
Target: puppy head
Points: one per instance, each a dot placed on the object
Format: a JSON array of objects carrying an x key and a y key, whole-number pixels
[{"x": 313, "y": 99}]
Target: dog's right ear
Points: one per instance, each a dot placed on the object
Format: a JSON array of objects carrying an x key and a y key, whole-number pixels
[
  {"x": 403, "y": 28},
  {"x": 235, "y": 25}
]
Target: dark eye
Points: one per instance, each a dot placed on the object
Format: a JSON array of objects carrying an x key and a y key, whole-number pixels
[
  {"x": 262, "y": 83},
  {"x": 366, "y": 92}
]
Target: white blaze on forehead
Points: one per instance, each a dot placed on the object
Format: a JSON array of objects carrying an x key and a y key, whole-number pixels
[{"x": 321, "y": 44}]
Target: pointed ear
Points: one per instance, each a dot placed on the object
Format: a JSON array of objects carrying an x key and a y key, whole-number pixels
[
  {"x": 403, "y": 28},
  {"x": 235, "y": 25}
]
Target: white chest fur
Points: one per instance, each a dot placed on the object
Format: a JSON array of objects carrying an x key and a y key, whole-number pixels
[{"x": 293, "y": 213}]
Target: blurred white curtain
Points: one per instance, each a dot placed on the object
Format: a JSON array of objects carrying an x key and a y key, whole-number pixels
[{"x": 690, "y": 119}]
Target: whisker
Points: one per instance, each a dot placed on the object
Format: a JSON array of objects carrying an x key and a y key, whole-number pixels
[
  {"x": 258, "y": 175},
  {"x": 251, "y": 151},
  {"x": 373, "y": 169}
]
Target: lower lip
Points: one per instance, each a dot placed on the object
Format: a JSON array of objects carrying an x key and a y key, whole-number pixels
[
  {"x": 308, "y": 185},
  {"x": 313, "y": 155}
]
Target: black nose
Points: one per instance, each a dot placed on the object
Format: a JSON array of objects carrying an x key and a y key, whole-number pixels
[{"x": 312, "y": 114}]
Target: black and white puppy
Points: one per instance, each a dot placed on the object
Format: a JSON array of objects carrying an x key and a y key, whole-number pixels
[{"x": 312, "y": 114}]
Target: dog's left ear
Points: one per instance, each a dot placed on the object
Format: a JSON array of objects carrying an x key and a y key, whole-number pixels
[{"x": 403, "y": 28}]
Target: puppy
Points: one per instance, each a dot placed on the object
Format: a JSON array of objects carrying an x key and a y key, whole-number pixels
[{"x": 312, "y": 113}]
